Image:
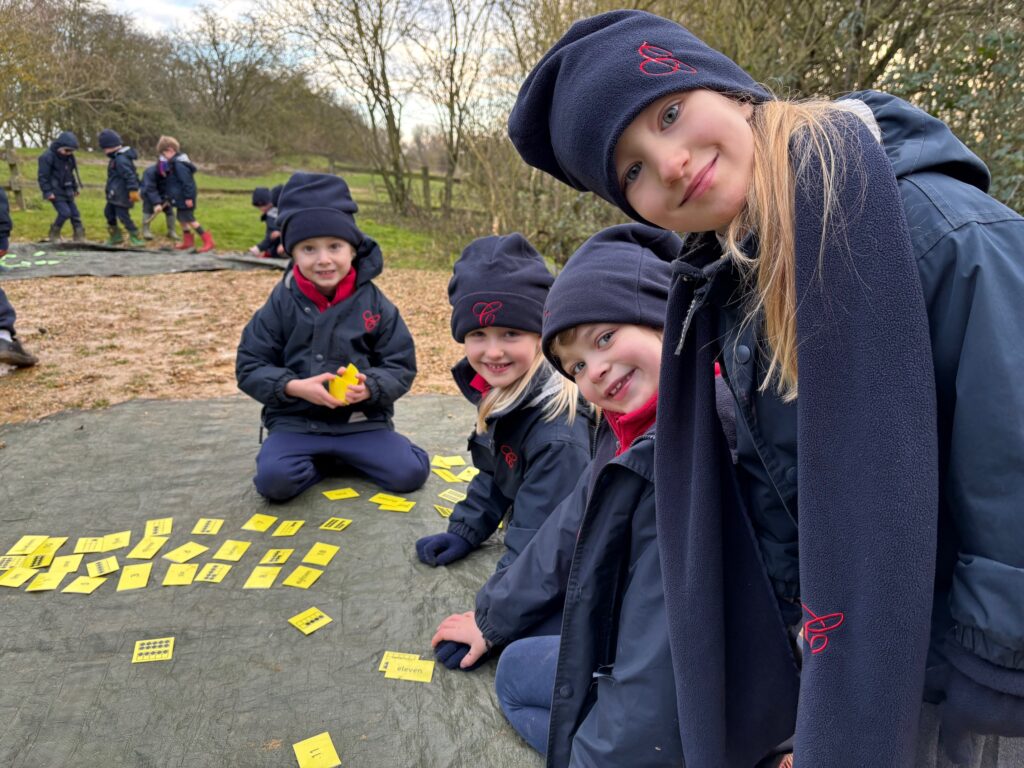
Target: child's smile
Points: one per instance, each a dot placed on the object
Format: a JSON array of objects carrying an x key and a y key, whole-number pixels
[
  {"x": 501, "y": 355},
  {"x": 615, "y": 366},
  {"x": 324, "y": 261}
]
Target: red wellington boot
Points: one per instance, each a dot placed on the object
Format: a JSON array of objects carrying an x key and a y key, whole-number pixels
[
  {"x": 207, "y": 242},
  {"x": 187, "y": 242}
]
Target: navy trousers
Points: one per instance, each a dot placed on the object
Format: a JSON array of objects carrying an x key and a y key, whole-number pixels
[
  {"x": 66, "y": 208},
  {"x": 118, "y": 213},
  {"x": 524, "y": 683},
  {"x": 287, "y": 463},
  {"x": 6, "y": 313}
]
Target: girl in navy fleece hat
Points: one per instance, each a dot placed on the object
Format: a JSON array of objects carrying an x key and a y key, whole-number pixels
[{"x": 846, "y": 251}]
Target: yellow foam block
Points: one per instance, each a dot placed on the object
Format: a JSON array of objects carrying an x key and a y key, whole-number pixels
[{"x": 339, "y": 385}]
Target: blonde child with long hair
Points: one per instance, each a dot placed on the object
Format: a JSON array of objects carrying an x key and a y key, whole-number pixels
[{"x": 861, "y": 292}]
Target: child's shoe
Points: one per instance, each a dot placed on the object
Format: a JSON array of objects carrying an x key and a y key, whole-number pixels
[
  {"x": 207, "y": 242},
  {"x": 134, "y": 239},
  {"x": 147, "y": 233},
  {"x": 79, "y": 234},
  {"x": 12, "y": 353},
  {"x": 116, "y": 238},
  {"x": 187, "y": 243},
  {"x": 172, "y": 231},
  {"x": 54, "y": 236}
]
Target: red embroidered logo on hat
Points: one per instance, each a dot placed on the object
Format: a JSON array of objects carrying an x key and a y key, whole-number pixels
[
  {"x": 487, "y": 311},
  {"x": 370, "y": 320},
  {"x": 658, "y": 61},
  {"x": 817, "y": 627},
  {"x": 510, "y": 456}
]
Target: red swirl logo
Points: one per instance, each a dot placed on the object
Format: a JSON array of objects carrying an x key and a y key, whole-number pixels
[
  {"x": 487, "y": 311},
  {"x": 510, "y": 456},
  {"x": 817, "y": 627},
  {"x": 658, "y": 61},
  {"x": 370, "y": 320}
]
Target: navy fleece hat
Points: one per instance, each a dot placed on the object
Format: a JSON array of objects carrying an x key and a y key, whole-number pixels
[
  {"x": 67, "y": 139},
  {"x": 261, "y": 196},
  {"x": 275, "y": 194},
  {"x": 620, "y": 275},
  {"x": 499, "y": 281},
  {"x": 317, "y": 205},
  {"x": 587, "y": 89},
  {"x": 109, "y": 138}
]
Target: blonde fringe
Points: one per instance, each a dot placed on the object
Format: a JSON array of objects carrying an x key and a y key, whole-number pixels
[{"x": 499, "y": 398}]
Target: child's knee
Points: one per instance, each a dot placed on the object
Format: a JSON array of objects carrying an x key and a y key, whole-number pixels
[
  {"x": 410, "y": 474},
  {"x": 277, "y": 482}
]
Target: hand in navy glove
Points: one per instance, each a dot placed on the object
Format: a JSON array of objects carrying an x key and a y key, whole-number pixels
[
  {"x": 458, "y": 642},
  {"x": 442, "y": 548},
  {"x": 451, "y": 654}
]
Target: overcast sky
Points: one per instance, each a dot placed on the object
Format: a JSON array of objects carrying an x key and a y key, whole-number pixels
[{"x": 154, "y": 15}]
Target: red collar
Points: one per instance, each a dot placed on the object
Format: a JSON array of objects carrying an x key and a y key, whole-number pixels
[
  {"x": 627, "y": 427},
  {"x": 345, "y": 288},
  {"x": 479, "y": 383}
]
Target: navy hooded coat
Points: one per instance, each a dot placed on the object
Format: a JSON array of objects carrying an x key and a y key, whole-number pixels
[
  {"x": 58, "y": 174},
  {"x": 121, "y": 177}
]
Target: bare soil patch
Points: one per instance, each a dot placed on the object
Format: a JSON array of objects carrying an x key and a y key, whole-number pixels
[{"x": 103, "y": 340}]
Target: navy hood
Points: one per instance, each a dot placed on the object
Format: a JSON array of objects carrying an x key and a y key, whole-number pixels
[
  {"x": 181, "y": 157},
  {"x": 66, "y": 139},
  {"x": 916, "y": 142}
]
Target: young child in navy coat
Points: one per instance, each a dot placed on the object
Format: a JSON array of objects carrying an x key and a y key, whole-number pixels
[
  {"x": 263, "y": 200},
  {"x": 602, "y": 692},
  {"x": 59, "y": 182},
  {"x": 183, "y": 194},
  {"x": 325, "y": 314},
  {"x": 866, "y": 552},
  {"x": 122, "y": 188},
  {"x": 155, "y": 199},
  {"x": 11, "y": 351}
]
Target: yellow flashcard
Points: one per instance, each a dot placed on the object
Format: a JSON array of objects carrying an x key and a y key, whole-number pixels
[
  {"x": 398, "y": 506},
  {"x": 161, "y": 526},
  {"x": 468, "y": 474},
  {"x": 302, "y": 577},
  {"x": 147, "y": 548},
  {"x": 288, "y": 528},
  {"x": 51, "y": 545},
  {"x": 262, "y": 577},
  {"x": 450, "y": 494},
  {"x": 180, "y": 574},
  {"x": 341, "y": 493},
  {"x": 16, "y": 577},
  {"x": 66, "y": 563},
  {"x": 316, "y": 752},
  {"x": 440, "y": 461},
  {"x": 185, "y": 552},
  {"x": 390, "y": 656},
  {"x": 336, "y": 524},
  {"x": 276, "y": 556},
  {"x": 386, "y": 498},
  {"x": 414, "y": 670},
  {"x": 232, "y": 550},
  {"x": 11, "y": 561},
  {"x": 44, "y": 582},
  {"x": 207, "y": 526},
  {"x": 310, "y": 620},
  {"x": 114, "y": 541},
  {"x": 89, "y": 545},
  {"x": 339, "y": 385},
  {"x": 157, "y": 649},
  {"x": 26, "y": 545},
  {"x": 213, "y": 573},
  {"x": 446, "y": 475},
  {"x": 135, "y": 576},
  {"x": 259, "y": 523},
  {"x": 37, "y": 560},
  {"x": 453, "y": 461},
  {"x": 103, "y": 567},
  {"x": 321, "y": 554},
  {"x": 84, "y": 585},
  {"x": 443, "y": 511}
]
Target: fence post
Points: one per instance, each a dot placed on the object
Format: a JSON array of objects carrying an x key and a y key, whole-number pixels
[
  {"x": 15, "y": 183},
  {"x": 426, "y": 189}
]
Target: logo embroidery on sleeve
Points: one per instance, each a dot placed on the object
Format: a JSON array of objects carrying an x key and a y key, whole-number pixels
[
  {"x": 658, "y": 61},
  {"x": 510, "y": 456},
  {"x": 487, "y": 311},
  {"x": 370, "y": 320},
  {"x": 817, "y": 627}
]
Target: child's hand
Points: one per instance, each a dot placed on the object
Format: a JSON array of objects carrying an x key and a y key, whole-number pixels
[
  {"x": 158, "y": 208},
  {"x": 356, "y": 393},
  {"x": 255, "y": 251},
  {"x": 188, "y": 203},
  {"x": 312, "y": 390},
  {"x": 462, "y": 628},
  {"x": 51, "y": 198},
  {"x": 274, "y": 235}
]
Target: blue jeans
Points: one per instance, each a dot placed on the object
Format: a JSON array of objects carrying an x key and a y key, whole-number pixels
[
  {"x": 287, "y": 462},
  {"x": 524, "y": 682},
  {"x": 66, "y": 208}
]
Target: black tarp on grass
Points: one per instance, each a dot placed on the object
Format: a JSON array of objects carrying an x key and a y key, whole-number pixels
[{"x": 243, "y": 685}]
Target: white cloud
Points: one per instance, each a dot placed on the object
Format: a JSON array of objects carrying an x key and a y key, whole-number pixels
[{"x": 162, "y": 15}]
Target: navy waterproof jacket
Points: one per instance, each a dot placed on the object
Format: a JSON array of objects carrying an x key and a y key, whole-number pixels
[
  {"x": 58, "y": 174},
  {"x": 527, "y": 465},
  {"x": 269, "y": 244},
  {"x": 289, "y": 338},
  {"x": 154, "y": 186},
  {"x": 5, "y": 221},
  {"x": 596, "y": 558},
  {"x": 181, "y": 184},
  {"x": 121, "y": 177}
]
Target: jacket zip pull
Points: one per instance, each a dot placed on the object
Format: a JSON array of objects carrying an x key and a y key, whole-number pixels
[{"x": 695, "y": 305}]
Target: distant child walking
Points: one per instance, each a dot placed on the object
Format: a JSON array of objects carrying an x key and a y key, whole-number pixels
[
  {"x": 59, "y": 182},
  {"x": 181, "y": 189},
  {"x": 122, "y": 188},
  {"x": 155, "y": 199},
  {"x": 324, "y": 315},
  {"x": 861, "y": 292}
]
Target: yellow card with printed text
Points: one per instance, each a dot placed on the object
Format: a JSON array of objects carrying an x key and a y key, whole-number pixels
[
  {"x": 157, "y": 649},
  {"x": 51, "y": 545},
  {"x": 147, "y": 548},
  {"x": 321, "y": 554},
  {"x": 450, "y": 494},
  {"x": 160, "y": 526},
  {"x": 443, "y": 511},
  {"x": 66, "y": 563},
  {"x": 26, "y": 545},
  {"x": 134, "y": 576},
  {"x": 180, "y": 574},
  {"x": 259, "y": 523},
  {"x": 16, "y": 577},
  {"x": 232, "y": 550},
  {"x": 207, "y": 526},
  {"x": 11, "y": 561},
  {"x": 262, "y": 577},
  {"x": 302, "y": 577},
  {"x": 89, "y": 545},
  {"x": 36, "y": 560},
  {"x": 84, "y": 585},
  {"x": 453, "y": 461},
  {"x": 310, "y": 620},
  {"x": 390, "y": 656},
  {"x": 316, "y": 752},
  {"x": 440, "y": 461},
  {"x": 288, "y": 528},
  {"x": 213, "y": 573},
  {"x": 114, "y": 541},
  {"x": 446, "y": 475},
  {"x": 185, "y": 552},
  {"x": 276, "y": 556},
  {"x": 386, "y": 498},
  {"x": 103, "y": 567},
  {"x": 338, "y": 386},
  {"x": 468, "y": 474},
  {"x": 341, "y": 493},
  {"x": 398, "y": 506},
  {"x": 44, "y": 582},
  {"x": 335, "y": 524},
  {"x": 413, "y": 670}
]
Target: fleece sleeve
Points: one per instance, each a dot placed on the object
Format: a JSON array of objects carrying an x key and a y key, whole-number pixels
[
  {"x": 393, "y": 360},
  {"x": 258, "y": 364}
]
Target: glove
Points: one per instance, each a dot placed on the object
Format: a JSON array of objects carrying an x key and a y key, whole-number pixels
[
  {"x": 134, "y": 196},
  {"x": 450, "y": 653},
  {"x": 989, "y": 700},
  {"x": 442, "y": 548}
]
